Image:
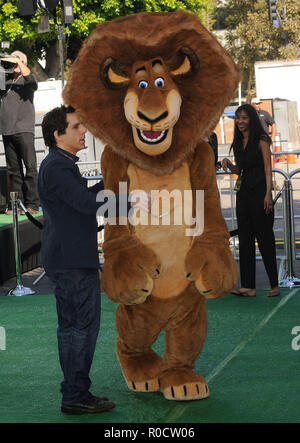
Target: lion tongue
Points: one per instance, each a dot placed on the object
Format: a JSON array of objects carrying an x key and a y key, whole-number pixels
[{"x": 151, "y": 134}]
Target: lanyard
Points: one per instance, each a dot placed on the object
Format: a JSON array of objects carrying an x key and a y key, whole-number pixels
[{"x": 65, "y": 154}]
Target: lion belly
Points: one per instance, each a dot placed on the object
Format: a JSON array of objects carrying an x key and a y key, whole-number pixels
[{"x": 164, "y": 231}]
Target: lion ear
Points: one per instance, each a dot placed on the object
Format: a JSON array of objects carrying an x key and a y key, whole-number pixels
[
  {"x": 190, "y": 63},
  {"x": 113, "y": 74}
]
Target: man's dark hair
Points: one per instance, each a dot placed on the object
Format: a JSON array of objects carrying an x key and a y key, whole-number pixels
[{"x": 55, "y": 120}]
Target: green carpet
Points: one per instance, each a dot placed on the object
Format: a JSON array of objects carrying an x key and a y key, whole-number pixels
[
  {"x": 252, "y": 370},
  {"x": 7, "y": 219}
]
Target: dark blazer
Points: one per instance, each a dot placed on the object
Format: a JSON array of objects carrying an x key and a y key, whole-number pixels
[{"x": 69, "y": 237}]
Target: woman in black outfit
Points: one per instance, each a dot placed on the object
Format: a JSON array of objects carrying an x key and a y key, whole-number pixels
[{"x": 254, "y": 205}]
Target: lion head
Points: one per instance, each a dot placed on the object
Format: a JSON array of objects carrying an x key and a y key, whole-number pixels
[{"x": 152, "y": 86}]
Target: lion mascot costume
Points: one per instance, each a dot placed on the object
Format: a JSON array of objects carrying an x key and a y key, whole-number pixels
[{"x": 152, "y": 86}]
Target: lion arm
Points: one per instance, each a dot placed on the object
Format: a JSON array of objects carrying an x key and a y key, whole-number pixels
[
  {"x": 209, "y": 261},
  {"x": 117, "y": 232},
  {"x": 203, "y": 177},
  {"x": 129, "y": 266}
]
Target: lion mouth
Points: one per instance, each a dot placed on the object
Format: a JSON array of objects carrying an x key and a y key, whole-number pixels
[{"x": 151, "y": 137}]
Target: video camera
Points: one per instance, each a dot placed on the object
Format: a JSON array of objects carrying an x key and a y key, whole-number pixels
[
  {"x": 7, "y": 67},
  {"x": 6, "y": 70}
]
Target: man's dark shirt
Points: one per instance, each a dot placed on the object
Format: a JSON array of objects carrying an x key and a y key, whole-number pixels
[
  {"x": 266, "y": 120},
  {"x": 17, "y": 112},
  {"x": 69, "y": 237}
]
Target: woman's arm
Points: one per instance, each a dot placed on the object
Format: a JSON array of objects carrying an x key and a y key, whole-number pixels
[{"x": 266, "y": 153}]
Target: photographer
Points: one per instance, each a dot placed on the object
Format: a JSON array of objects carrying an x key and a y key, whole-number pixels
[{"x": 17, "y": 118}]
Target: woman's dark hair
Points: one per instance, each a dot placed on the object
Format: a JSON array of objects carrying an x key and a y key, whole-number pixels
[
  {"x": 55, "y": 120},
  {"x": 256, "y": 131}
]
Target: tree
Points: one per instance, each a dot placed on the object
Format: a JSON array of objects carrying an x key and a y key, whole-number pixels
[
  {"x": 252, "y": 37},
  {"x": 22, "y": 31}
]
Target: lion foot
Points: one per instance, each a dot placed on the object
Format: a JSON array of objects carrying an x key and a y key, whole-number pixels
[
  {"x": 141, "y": 372},
  {"x": 144, "y": 386},
  {"x": 184, "y": 385},
  {"x": 187, "y": 391}
]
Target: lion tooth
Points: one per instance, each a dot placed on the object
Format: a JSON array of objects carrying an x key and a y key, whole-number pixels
[{"x": 152, "y": 140}]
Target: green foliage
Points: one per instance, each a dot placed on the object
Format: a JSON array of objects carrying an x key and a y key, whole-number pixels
[
  {"x": 252, "y": 37},
  {"x": 22, "y": 31}
]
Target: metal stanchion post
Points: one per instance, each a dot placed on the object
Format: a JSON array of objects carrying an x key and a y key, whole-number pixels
[
  {"x": 19, "y": 289},
  {"x": 290, "y": 281}
]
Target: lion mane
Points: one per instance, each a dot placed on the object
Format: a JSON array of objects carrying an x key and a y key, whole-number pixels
[{"x": 205, "y": 91}]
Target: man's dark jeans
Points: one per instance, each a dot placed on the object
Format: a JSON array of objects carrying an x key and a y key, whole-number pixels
[{"x": 78, "y": 303}]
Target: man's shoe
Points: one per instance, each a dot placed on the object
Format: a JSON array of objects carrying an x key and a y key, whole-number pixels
[
  {"x": 97, "y": 398},
  {"x": 89, "y": 406}
]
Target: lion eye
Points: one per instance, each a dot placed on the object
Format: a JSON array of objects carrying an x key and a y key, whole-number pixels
[
  {"x": 159, "y": 82},
  {"x": 143, "y": 84}
]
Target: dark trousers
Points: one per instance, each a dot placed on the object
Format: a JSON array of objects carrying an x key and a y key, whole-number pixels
[
  {"x": 253, "y": 223},
  {"x": 20, "y": 148},
  {"x": 78, "y": 304}
]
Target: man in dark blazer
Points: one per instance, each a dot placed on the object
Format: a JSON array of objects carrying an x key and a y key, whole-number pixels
[{"x": 69, "y": 255}]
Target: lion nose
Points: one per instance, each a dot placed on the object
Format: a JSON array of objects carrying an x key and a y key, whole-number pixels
[{"x": 152, "y": 120}]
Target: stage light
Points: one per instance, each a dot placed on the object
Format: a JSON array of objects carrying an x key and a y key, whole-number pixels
[
  {"x": 67, "y": 8},
  {"x": 50, "y": 4},
  {"x": 273, "y": 13},
  {"x": 26, "y": 7},
  {"x": 68, "y": 11}
]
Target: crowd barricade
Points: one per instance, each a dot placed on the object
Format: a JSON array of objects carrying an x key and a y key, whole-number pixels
[
  {"x": 291, "y": 280},
  {"x": 287, "y": 276},
  {"x": 91, "y": 171},
  {"x": 19, "y": 290}
]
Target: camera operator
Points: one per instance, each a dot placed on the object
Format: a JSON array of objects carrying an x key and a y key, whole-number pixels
[{"x": 17, "y": 118}]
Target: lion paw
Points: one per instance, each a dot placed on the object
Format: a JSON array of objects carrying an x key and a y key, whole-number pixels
[
  {"x": 183, "y": 385},
  {"x": 144, "y": 386},
  {"x": 128, "y": 277},
  {"x": 141, "y": 372},
  {"x": 187, "y": 391},
  {"x": 213, "y": 270}
]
